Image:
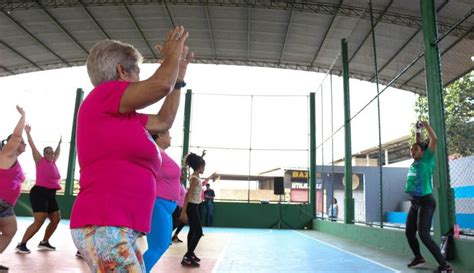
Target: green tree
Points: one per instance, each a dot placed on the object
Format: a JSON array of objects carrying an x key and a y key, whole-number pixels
[{"x": 459, "y": 115}]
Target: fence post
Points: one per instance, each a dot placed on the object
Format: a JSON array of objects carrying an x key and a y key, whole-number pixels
[
  {"x": 71, "y": 165},
  {"x": 312, "y": 169},
  {"x": 349, "y": 201},
  {"x": 186, "y": 128}
]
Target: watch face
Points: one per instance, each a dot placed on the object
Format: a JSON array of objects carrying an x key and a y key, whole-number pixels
[{"x": 179, "y": 84}]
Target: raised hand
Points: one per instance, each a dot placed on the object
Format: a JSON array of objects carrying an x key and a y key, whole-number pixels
[
  {"x": 27, "y": 128},
  {"x": 214, "y": 176},
  {"x": 174, "y": 43},
  {"x": 20, "y": 110},
  {"x": 186, "y": 57}
]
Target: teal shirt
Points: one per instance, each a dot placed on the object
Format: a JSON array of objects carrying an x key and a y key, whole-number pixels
[{"x": 419, "y": 175}]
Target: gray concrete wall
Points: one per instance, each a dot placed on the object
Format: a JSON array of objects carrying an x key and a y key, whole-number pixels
[{"x": 367, "y": 201}]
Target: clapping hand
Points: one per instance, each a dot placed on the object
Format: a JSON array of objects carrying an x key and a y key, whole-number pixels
[{"x": 174, "y": 43}]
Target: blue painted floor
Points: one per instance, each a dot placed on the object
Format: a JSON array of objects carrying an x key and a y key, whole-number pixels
[
  {"x": 285, "y": 251},
  {"x": 227, "y": 250}
]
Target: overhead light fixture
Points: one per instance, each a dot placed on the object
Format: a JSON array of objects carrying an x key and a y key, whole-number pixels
[{"x": 472, "y": 58}]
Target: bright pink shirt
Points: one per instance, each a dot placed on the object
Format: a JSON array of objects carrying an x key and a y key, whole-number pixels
[
  {"x": 118, "y": 163},
  {"x": 182, "y": 195},
  {"x": 204, "y": 182},
  {"x": 47, "y": 174},
  {"x": 168, "y": 178},
  {"x": 10, "y": 183}
]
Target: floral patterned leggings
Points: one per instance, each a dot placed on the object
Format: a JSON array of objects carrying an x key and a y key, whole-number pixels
[{"x": 109, "y": 249}]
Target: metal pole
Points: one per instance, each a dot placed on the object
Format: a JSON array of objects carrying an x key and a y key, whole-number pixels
[
  {"x": 250, "y": 149},
  {"x": 434, "y": 89},
  {"x": 332, "y": 141},
  {"x": 349, "y": 201},
  {"x": 312, "y": 164},
  {"x": 186, "y": 128},
  {"x": 323, "y": 185},
  {"x": 378, "y": 118},
  {"x": 71, "y": 166}
]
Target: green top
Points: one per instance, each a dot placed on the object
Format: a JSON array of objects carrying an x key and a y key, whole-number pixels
[{"x": 419, "y": 175}]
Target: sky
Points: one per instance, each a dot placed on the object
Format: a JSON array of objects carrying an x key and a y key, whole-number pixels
[{"x": 233, "y": 106}]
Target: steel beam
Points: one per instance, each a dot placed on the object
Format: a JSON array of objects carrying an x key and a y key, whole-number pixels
[
  {"x": 442, "y": 53},
  {"x": 95, "y": 21},
  {"x": 288, "y": 25},
  {"x": 211, "y": 35},
  {"x": 21, "y": 55},
  {"x": 60, "y": 26},
  {"x": 140, "y": 31},
  {"x": 371, "y": 29},
  {"x": 18, "y": 24}
]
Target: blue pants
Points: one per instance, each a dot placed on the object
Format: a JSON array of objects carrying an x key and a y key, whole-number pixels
[
  {"x": 209, "y": 213},
  {"x": 159, "y": 237}
]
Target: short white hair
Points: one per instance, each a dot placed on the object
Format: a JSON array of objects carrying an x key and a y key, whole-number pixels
[{"x": 106, "y": 55}]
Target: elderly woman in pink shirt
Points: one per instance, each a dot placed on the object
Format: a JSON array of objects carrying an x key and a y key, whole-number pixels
[
  {"x": 43, "y": 195},
  {"x": 11, "y": 177},
  {"x": 118, "y": 159}
]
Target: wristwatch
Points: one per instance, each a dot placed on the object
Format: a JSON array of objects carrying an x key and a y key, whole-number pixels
[{"x": 179, "y": 84}]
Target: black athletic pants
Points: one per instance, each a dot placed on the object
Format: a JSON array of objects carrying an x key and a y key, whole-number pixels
[
  {"x": 419, "y": 218},
  {"x": 195, "y": 228}
]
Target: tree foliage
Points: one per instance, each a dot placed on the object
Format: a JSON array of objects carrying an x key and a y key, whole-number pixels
[{"x": 459, "y": 115}]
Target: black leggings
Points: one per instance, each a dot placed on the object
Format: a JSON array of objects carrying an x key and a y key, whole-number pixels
[
  {"x": 419, "y": 218},
  {"x": 177, "y": 224},
  {"x": 195, "y": 228}
]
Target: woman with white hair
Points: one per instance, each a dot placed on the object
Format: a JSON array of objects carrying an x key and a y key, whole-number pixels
[{"x": 118, "y": 159}]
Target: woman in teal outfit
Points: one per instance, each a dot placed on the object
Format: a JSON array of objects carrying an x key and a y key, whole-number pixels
[{"x": 423, "y": 205}]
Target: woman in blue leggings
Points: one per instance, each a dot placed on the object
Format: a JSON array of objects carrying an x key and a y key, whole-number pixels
[{"x": 167, "y": 193}]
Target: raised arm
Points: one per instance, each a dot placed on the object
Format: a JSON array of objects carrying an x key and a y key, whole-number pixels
[
  {"x": 36, "y": 154},
  {"x": 432, "y": 135},
  {"x": 213, "y": 176},
  {"x": 58, "y": 149},
  {"x": 141, "y": 94},
  {"x": 8, "y": 153},
  {"x": 165, "y": 117},
  {"x": 418, "y": 126}
]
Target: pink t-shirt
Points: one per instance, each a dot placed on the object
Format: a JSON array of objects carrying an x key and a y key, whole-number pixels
[
  {"x": 168, "y": 178},
  {"x": 182, "y": 195},
  {"x": 118, "y": 163},
  {"x": 10, "y": 183},
  {"x": 47, "y": 174}
]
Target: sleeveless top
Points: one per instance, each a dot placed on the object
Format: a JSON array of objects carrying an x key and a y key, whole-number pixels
[
  {"x": 47, "y": 174},
  {"x": 10, "y": 183},
  {"x": 195, "y": 196}
]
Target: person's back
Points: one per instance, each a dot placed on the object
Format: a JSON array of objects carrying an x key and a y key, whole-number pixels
[{"x": 128, "y": 156}]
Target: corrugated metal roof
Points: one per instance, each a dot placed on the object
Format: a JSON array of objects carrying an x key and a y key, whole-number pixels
[{"x": 305, "y": 35}]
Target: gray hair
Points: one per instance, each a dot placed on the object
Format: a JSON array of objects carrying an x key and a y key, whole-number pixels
[{"x": 106, "y": 55}]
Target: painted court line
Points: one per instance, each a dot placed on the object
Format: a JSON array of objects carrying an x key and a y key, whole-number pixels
[
  {"x": 348, "y": 252},
  {"x": 224, "y": 250}
]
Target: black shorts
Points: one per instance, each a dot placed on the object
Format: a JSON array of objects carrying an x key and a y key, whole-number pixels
[{"x": 43, "y": 199}]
